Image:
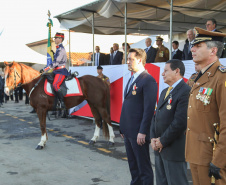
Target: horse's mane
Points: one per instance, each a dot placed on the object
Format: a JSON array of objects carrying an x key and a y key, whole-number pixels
[{"x": 28, "y": 72}]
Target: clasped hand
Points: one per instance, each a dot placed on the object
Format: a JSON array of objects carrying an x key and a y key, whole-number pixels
[{"x": 156, "y": 144}]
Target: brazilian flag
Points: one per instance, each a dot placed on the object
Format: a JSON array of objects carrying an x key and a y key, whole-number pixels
[{"x": 49, "y": 48}]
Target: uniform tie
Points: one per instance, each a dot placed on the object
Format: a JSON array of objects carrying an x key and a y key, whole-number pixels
[{"x": 167, "y": 92}]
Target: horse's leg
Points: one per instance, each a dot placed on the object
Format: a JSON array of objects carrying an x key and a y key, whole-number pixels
[
  {"x": 42, "y": 119},
  {"x": 97, "y": 118},
  {"x": 107, "y": 126}
]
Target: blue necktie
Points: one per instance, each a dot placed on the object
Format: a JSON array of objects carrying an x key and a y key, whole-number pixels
[
  {"x": 97, "y": 59},
  {"x": 130, "y": 83},
  {"x": 146, "y": 50}
]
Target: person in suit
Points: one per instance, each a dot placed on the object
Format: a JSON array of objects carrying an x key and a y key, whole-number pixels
[
  {"x": 117, "y": 55},
  {"x": 99, "y": 58},
  {"x": 137, "y": 110},
  {"x": 211, "y": 25},
  {"x": 150, "y": 51},
  {"x": 176, "y": 54},
  {"x": 109, "y": 57},
  {"x": 207, "y": 105},
  {"x": 127, "y": 51},
  {"x": 187, "y": 55},
  {"x": 169, "y": 125}
]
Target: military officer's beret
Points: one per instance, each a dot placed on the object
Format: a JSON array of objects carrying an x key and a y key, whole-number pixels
[{"x": 202, "y": 35}]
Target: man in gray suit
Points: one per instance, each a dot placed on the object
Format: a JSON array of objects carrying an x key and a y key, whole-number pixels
[{"x": 168, "y": 127}]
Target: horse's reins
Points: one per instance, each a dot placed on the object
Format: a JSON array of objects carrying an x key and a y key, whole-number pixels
[{"x": 20, "y": 84}]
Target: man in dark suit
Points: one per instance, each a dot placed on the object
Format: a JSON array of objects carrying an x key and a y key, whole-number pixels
[
  {"x": 117, "y": 55},
  {"x": 176, "y": 54},
  {"x": 137, "y": 111},
  {"x": 109, "y": 57},
  {"x": 211, "y": 25},
  {"x": 168, "y": 127},
  {"x": 150, "y": 51},
  {"x": 187, "y": 55},
  {"x": 99, "y": 58}
]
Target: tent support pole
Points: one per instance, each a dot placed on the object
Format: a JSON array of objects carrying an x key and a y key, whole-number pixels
[
  {"x": 125, "y": 15},
  {"x": 171, "y": 29},
  {"x": 93, "y": 38},
  {"x": 70, "y": 64}
]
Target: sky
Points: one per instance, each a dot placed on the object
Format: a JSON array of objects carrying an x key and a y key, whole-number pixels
[{"x": 24, "y": 21}]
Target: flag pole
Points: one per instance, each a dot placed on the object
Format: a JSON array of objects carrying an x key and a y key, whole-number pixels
[{"x": 49, "y": 43}]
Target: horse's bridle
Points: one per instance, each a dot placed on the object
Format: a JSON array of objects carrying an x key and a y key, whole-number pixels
[{"x": 15, "y": 75}]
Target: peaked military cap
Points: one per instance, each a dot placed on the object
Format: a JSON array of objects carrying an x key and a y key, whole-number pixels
[
  {"x": 59, "y": 35},
  {"x": 99, "y": 67},
  {"x": 159, "y": 38},
  {"x": 202, "y": 35}
]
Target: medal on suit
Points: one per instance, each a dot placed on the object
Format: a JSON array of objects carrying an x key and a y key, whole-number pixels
[
  {"x": 134, "y": 92},
  {"x": 169, "y": 106},
  {"x": 198, "y": 96}
]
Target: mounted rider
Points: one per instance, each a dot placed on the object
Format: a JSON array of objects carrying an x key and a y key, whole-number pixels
[{"x": 58, "y": 67}]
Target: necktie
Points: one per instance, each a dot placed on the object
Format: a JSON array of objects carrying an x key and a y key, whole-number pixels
[
  {"x": 111, "y": 59},
  {"x": 114, "y": 54},
  {"x": 189, "y": 47},
  {"x": 146, "y": 50},
  {"x": 97, "y": 59},
  {"x": 57, "y": 46},
  {"x": 130, "y": 83},
  {"x": 167, "y": 92},
  {"x": 173, "y": 53}
]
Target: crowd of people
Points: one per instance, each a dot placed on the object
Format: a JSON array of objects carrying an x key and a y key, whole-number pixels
[
  {"x": 159, "y": 54},
  {"x": 189, "y": 122}
]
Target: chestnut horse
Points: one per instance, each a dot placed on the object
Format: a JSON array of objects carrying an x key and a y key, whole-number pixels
[{"x": 95, "y": 92}]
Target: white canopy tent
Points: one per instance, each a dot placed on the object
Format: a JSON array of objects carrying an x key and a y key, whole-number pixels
[
  {"x": 149, "y": 17},
  {"x": 14, "y": 51}
]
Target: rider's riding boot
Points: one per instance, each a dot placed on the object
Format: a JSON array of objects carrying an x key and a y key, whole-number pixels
[{"x": 61, "y": 98}]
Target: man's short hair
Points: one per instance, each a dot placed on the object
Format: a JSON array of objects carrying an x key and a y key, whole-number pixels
[
  {"x": 175, "y": 63},
  {"x": 116, "y": 44},
  {"x": 123, "y": 44},
  {"x": 213, "y": 21},
  {"x": 139, "y": 54},
  {"x": 219, "y": 45},
  {"x": 176, "y": 42}
]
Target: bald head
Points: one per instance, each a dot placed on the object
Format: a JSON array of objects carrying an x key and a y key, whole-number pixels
[{"x": 148, "y": 42}]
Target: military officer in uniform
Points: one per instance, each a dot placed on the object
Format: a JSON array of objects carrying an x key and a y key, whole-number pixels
[
  {"x": 162, "y": 54},
  {"x": 58, "y": 67},
  {"x": 191, "y": 80},
  {"x": 102, "y": 76},
  {"x": 207, "y": 105}
]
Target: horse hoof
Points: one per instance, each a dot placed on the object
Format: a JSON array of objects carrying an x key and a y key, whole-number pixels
[
  {"x": 110, "y": 143},
  {"x": 91, "y": 142},
  {"x": 39, "y": 147}
]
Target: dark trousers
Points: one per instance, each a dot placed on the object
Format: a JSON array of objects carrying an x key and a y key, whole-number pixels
[
  {"x": 139, "y": 162},
  {"x": 16, "y": 93},
  {"x": 1, "y": 96},
  {"x": 170, "y": 172}
]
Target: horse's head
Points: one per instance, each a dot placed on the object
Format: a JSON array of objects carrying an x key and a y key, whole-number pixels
[{"x": 12, "y": 76}]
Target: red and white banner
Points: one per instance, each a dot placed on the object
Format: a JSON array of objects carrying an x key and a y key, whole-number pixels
[{"x": 119, "y": 76}]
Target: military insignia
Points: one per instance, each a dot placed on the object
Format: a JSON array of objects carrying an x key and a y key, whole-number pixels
[
  {"x": 204, "y": 95},
  {"x": 134, "y": 92},
  {"x": 169, "y": 106},
  {"x": 161, "y": 54},
  {"x": 222, "y": 68},
  {"x": 196, "y": 33}
]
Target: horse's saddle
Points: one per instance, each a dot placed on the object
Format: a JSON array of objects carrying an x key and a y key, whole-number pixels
[{"x": 70, "y": 85}]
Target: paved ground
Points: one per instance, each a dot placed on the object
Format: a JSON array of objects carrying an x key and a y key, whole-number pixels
[{"x": 67, "y": 158}]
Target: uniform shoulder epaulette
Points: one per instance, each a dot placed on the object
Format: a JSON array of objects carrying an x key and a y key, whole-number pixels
[{"x": 222, "y": 68}]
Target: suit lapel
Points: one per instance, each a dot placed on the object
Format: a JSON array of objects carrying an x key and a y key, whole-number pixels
[
  {"x": 206, "y": 76},
  {"x": 172, "y": 93},
  {"x": 131, "y": 87}
]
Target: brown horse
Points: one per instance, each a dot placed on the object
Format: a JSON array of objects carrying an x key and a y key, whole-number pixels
[{"x": 95, "y": 92}]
